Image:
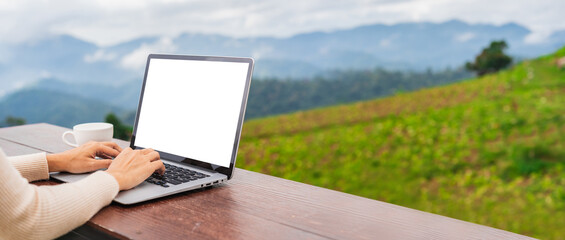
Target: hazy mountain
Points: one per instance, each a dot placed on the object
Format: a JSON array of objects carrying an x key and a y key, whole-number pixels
[
  {"x": 113, "y": 74},
  {"x": 414, "y": 46},
  {"x": 54, "y": 107},
  {"x": 125, "y": 95}
]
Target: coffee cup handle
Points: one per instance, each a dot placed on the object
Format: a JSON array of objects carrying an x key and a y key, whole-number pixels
[{"x": 66, "y": 141}]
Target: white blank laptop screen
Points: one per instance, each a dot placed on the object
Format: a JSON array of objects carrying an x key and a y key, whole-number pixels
[{"x": 191, "y": 108}]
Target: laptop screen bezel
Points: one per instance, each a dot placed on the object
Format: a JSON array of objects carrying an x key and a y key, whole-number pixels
[{"x": 228, "y": 171}]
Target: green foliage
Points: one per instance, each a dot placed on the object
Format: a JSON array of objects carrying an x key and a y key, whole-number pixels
[
  {"x": 14, "y": 121},
  {"x": 491, "y": 60},
  {"x": 276, "y": 96},
  {"x": 528, "y": 160},
  {"x": 490, "y": 150},
  {"x": 121, "y": 131}
]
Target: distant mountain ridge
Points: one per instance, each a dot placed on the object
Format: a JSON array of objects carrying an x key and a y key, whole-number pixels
[
  {"x": 111, "y": 76},
  {"x": 125, "y": 95},
  {"x": 63, "y": 109},
  {"x": 412, "y": 46}
]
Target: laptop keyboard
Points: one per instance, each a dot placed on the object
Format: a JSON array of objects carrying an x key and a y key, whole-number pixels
[{"x": 174, "y": 175}]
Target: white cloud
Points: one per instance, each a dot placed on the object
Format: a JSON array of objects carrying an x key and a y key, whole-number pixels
[
  {"x": 45, "y": 74},
  {"x": 99, "y": 55},
  {"x": 261, "y": 51},
  {"x": 107, "y": 22},
  {"x": 464, "y": 37},
  {"x": 19, "y": 84},
  {"x": 136, "y": 60},
  {"x": 5, "y": 54},
  {"x": 537, "y": 37},
  {"x": 385, "y": 42}
]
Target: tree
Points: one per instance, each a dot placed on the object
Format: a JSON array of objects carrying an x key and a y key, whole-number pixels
[
  {"x": 14, "y": 121},
  {"x": 491, "y": 59},
  {"x": 121, "y": 131}
]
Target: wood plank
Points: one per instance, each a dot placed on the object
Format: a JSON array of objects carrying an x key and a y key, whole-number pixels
[
  {"x": 200, "y": 214},
  {"x": 254, "y": 205},
  {"x": 13, "y": 149},
  {"x": 301, "y": 207},
  {"x": 346, "y": 216}
]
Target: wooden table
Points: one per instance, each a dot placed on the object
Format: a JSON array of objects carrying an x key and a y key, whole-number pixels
[{"x": 255, "y": 206}]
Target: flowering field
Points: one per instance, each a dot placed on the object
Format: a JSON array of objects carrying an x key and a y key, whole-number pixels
[{"x": 489, "y": 150}]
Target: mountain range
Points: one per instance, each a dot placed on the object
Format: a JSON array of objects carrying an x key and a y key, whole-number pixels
[
  {"x": 55, "y": 107},
  {"x": 112, "y": 74}
]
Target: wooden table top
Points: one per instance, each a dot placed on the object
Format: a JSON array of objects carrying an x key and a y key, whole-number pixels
[{"x": 255, "y": 206}]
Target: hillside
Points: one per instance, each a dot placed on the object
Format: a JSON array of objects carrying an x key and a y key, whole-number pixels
[
  {"x": 488, "y": 150},
  {"x": 53, "y": 107},
  {"x": 123, "y": 96}
]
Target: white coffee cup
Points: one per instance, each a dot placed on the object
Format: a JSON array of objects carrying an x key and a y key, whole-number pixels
[{"x": 83, "y": 133}]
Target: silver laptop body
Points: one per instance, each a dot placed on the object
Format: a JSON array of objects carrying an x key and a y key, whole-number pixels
[{"x": 191, "y": 111}]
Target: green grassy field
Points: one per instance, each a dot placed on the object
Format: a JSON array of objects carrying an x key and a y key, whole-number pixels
[{"x": 489, "y": 150}]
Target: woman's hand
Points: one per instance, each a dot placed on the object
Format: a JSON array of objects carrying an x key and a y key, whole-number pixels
[
  {"x": 132, "y": 167},
  {"x": 82, "y": 159}
]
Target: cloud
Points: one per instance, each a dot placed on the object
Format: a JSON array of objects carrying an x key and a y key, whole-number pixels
[
  {"x": 136, "y": 59},
  {"x": 261, "y": 51},
  {"x": 537, "y": 37},
  {"x": 99, "y": 55},
  {"x": 385, "y": 42},
  {"x": 107, "y": 22},
  {"x": 464, "y": 37},
  {"x": 45, "y": 74},
  {"x": 5, "y": 54}
]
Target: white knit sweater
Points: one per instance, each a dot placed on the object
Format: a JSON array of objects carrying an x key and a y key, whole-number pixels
[{"x": 45, "y": 212}]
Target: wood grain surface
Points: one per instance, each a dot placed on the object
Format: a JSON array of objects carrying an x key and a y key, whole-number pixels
[{"x": 255, "y": 206}]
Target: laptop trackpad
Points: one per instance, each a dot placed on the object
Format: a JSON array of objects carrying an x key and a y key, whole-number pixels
[{"x": 69, "y": 177}]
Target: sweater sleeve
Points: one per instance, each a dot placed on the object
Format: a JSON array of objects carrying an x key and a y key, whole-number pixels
[
  {"x": 31, "y": 212},
  {"x": 32, "y": 166}
]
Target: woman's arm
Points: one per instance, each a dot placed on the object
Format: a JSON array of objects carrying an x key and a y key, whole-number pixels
[
  {"x": 32, "y": 166},
  {"x": 31, "y": 212}
]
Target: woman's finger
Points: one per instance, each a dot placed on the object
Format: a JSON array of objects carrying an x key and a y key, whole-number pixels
[
  {"x": 158, "y": 166},
  {"x": 113, "y": 145},
  {"x": 105, "y": 151},
  {"x": 147, "y": 150},
  {"x": 153, "y": 156}
]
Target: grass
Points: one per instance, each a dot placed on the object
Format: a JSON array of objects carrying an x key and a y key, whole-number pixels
[{"x": 489, "y": 150}]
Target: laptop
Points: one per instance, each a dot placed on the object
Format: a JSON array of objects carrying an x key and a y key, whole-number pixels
[{"x": 191, "y": 111}]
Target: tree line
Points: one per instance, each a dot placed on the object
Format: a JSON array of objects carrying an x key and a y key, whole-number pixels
[{"x": 278, "y": 96}]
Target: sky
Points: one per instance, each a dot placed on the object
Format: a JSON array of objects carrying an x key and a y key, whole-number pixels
[{"x": 108, "y": 22}]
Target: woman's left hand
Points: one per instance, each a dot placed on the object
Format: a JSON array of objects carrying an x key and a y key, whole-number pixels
[{"x": 82, "y": 159}]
